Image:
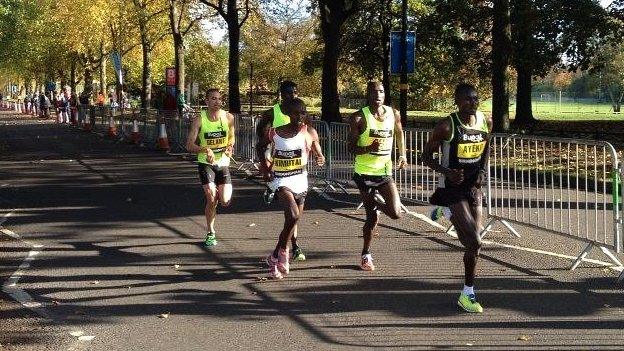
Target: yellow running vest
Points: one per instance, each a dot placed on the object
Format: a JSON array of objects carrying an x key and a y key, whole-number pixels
[
  {"x": 379, "y": 162},
  {"x": 279, "y": 119},
  {"x": 214, "y": 135}
]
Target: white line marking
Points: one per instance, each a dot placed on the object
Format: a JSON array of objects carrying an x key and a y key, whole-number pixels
[
  {"x": 5, "y": 217},
  {"x": 10, "y": 285}
]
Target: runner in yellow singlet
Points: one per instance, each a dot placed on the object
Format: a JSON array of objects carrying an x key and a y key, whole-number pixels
[
  {"x": 214, "y": 129},
  {"x": 373, "y": 130}
]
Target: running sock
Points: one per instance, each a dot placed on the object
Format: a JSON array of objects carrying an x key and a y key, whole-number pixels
[{"x": 468, "y": 290}]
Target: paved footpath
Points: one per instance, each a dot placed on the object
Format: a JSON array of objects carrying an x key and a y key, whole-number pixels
[{"x": 102, "y": 241}]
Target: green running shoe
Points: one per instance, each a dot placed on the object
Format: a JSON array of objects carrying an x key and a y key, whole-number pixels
[
  {"x": 298, "y": 255},
  {"x": 469, "y": 303},
  {"x": 211, "y": 240}
]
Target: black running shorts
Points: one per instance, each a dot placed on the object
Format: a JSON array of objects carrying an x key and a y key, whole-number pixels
[
  {"x": 214, "y": 174},
  {"x": 366, "y": 183}
]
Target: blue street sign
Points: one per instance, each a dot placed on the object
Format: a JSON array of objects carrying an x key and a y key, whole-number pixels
[
  {"x": 116, "y": 58},
  {"x": 395, "y": 52}
]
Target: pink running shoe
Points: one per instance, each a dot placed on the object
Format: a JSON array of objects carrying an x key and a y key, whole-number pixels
[
  {"x": 282, "y": 261},
  {"x": 367, "y": 263},
  {"x": 274, "y": 272}
]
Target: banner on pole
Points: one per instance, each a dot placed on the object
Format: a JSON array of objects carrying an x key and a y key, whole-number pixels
[
  {"x": 170, "y": 76},
  {"x": 116, "y": 59},
  {"x": 395, "y": 51}
]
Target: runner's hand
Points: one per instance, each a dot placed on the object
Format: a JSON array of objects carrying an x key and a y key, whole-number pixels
[
  {"x": 374, "y": 147},
  {"x": 402, "y": 162},
  {"x": 320, "y": 160},
  {"x": 456, "y": 176},
  {"x": 229, "y": 150},
  {"x": 210, "y": 158}
]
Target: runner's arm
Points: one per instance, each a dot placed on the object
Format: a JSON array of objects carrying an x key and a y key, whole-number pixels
[
  {"x": 191, "y": 144},
  {"x": 316, "y": 146},
  {"x": 400, "y": 139},
  {"x": 441, "y": 132},
  {"x": 231, "y": 135}
]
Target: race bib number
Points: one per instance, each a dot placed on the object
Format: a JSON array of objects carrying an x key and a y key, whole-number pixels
[
  {"x": 288, "y": 163},
  {"x": 217, "y": 141},
  {"x": 384, "y": 136},
  {"x": 471, "y": 150}
]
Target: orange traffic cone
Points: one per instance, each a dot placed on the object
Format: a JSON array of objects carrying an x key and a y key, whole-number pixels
[
  {"x": 112, "y": 128},
  {"x": 135, "y": 136},
  {"x": 163, "y": 140}
]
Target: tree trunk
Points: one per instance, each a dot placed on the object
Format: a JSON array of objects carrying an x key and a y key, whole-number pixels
[
  {"x": 524, "y": 63},
  {"x": 501, "y": 49},
  {"x": 234, "y": 56},
  {"x": 103, "y": 76},
  {"x": 178, "y": 45},
  {"x": 330, "y": 104},
  {"x": 178, "y": 42},
  {"x": 88, "y": 79},
  {"x": 146, "y": 78},
  {"x": 524, "y": 111},
  {"x": 72, "y": 75}
]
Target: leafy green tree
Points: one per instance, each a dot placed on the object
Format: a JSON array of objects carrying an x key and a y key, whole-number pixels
[
  {"x": 545, "y": 32},
  {"x": 235, "y": 16},
  {"x": 150, "y": 17},
  {"x": 609, "y": 65},
  {"x": 287, "y": 38},
  {"x": 333, "y": 15}
]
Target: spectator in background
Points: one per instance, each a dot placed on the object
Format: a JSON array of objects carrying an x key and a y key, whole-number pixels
[
  {"x": 100, "y": 98},
  {"x": 34, "y": 103},
  {"x": 82, "y": 108}
]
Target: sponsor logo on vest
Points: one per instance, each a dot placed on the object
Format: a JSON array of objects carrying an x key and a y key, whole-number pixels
[
  {"x": 380, "y": 133},
  {"x": 287, "y": 153},
  {"x": 213, "y": 135},
  {"x": 472, "y": 137}
]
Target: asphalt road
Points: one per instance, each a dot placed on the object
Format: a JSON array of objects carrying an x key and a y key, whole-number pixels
[{"x": 102, "y": 242}]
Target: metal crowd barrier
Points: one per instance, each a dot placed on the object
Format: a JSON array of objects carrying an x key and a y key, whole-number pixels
[
  {"x": 416, "y": 182},
  {"x": 245, "y": 143},
  {"x": 563, "y": 186}
]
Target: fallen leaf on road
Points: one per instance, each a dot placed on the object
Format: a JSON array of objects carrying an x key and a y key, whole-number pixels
[
  {"x": 176, "y": 266},
  {"x": 524, "y": 338},
  {"x": 332, "y": 266},
  {"x": 254, "y": 293},
  {"x": 76, "y": 333},
  {"x": 469, "y": 344},
  {"x": 86, "y": 338},
  {"x": 261, "y": 278},
  {"x": 316, "y": 222},
  {"x": 607, "y": 305},
  {"x": 251, "y": 225},
  {"x": 56, "y": 303},
  {"x": 95, "y": 282},
  {"x": 164, "y": 315}
]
